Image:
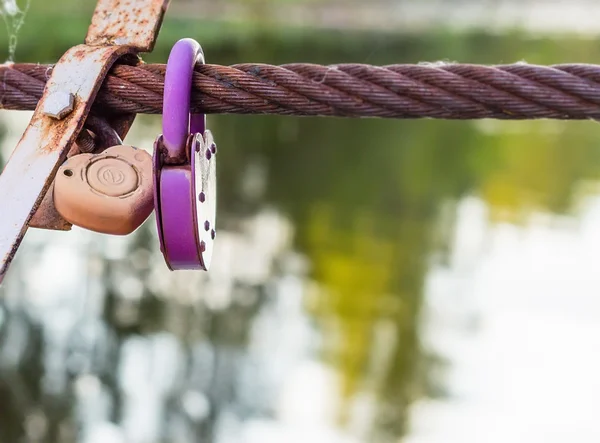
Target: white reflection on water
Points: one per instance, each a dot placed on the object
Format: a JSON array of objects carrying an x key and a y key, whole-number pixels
[
  {"x": 518, "y": 317},
  {"x": 536, "y": 16}
]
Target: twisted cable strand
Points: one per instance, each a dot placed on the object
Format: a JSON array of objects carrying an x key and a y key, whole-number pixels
[{"x": 449, "y": 91}]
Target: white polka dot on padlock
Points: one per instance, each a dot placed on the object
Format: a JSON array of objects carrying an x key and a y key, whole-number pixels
[{"x": 109, "y": 192}]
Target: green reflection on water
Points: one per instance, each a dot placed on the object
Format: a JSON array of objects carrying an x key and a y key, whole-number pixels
[{"x": 368, "y": 197}]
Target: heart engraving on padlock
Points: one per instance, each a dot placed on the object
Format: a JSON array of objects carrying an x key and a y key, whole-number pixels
[{"x": 109, "y": 192}]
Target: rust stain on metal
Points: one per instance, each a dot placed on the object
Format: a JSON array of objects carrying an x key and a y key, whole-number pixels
[
  {"x": 133, "y": 23},
  {"x": 47, "y": 217}
]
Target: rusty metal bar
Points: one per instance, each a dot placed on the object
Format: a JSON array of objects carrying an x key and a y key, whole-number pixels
[
  {"x": 133, "y": 23},
  {"x": 116, "y": 30}
]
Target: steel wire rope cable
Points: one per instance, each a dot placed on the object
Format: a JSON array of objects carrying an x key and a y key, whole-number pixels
[{"x": 450, "y": 91}]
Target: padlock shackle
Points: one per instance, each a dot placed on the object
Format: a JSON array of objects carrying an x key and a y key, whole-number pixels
[{"x": 177, "y": 121}]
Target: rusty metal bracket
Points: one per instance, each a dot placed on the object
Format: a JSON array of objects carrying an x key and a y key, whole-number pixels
[{"x": 118, "y": 28}]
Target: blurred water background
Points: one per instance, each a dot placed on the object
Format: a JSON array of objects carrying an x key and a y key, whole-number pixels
[{"x": 373, "y": 281}]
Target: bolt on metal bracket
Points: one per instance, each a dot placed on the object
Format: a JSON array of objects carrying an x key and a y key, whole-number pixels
[{"x": 59, "y": 104}]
